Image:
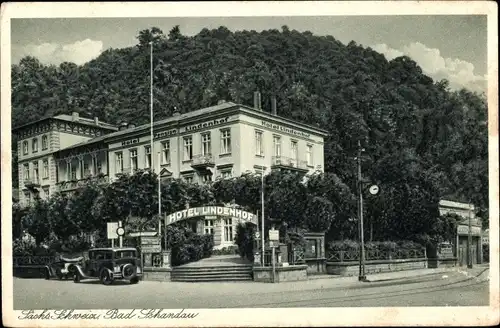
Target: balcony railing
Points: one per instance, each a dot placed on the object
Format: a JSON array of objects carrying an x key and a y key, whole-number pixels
[
  {"x": 288, "y": 162},
  {"x": 75, "y": 184},
  {"x": 32, "y": 182},
  {"x": 203, "y": 160},
  {"x": 19, "y": 261}
]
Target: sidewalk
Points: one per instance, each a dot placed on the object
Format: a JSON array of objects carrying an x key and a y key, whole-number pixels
[{"x": 375, "y": 277}]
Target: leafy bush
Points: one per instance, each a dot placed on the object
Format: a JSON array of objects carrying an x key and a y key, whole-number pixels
[
  {"x": 187, "y": 246},
  {"x": 296, "y": 238},
  {"x": 23, "y": 247},
  {"x": 208, "y": 245},
  {"x": 245, "y": 238},
  {"x": 344, "y": 245},
  {"x": 231, "y": 250},
  {"x": 351, "y": 245}
]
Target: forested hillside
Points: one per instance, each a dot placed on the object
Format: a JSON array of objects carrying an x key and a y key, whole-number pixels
[{"x": 416, "y": 132}]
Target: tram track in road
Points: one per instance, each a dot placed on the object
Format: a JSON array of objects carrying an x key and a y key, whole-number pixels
[{"x": 330, "y": 301}]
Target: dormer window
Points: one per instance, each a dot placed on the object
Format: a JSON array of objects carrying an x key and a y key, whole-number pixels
[
  {"x": 34, "y": 145},
  {"x": 45, "y": 142}
]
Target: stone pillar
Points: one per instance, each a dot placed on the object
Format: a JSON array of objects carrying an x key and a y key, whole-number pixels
[
  {"x": 218, "y": 232},
  {"x": 166, "y": 258}
]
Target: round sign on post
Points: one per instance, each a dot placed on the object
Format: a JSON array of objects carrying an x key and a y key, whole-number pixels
[
  {"x": 257, "y": 234},
  {"x": 374, "y": 190},
  {"x": 120, "y": 231}
]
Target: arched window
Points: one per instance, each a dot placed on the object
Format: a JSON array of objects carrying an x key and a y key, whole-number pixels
[
  {"x": 45, "y": 142},
  {"x": 34, "y": 145},
  {"x": 25, "y": 147}
]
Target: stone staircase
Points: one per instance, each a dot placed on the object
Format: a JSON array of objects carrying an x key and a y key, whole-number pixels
[{"x": 205, "y": 273}]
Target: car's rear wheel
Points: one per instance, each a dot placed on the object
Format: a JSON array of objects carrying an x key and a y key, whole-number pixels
[
  {"x": 105, "y": 277},
  {"x": 129, "y": 271}
]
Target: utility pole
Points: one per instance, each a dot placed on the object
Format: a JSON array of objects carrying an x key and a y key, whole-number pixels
[
  {"x": 362, "y": 276},
  {"x": 469, "y": 240},
  {"x": 262, "y": 219}
]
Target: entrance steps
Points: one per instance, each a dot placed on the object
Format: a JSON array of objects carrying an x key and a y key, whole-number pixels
[{"x": 207, "y": 273}]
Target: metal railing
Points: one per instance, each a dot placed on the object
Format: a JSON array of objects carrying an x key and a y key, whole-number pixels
[
  {"x": 75, "y": 184},
  {"x": 31, "y": 181},
  {"x": 375, "y": 254},
  {"x": 296, "y": 256},
  {"x": 18, "y": 261},
  {"x": 288, "y": 162}
]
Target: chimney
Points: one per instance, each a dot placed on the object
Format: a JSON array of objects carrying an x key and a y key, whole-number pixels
[
  {"x": 221, "y": 102},
  {"x": 273, "y": 105},
  {"x": 176, "y": 112},
  {"x": 123, "y": 126},
  {"x": 131, "y": 126},
  {"x": 96, "y": 120},
  {"x": 256, "y": 100},
  {"x": 74, "y": 116}
]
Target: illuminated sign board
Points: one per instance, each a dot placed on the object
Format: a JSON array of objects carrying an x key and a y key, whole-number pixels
[
  {"x": 211, "y": 210},
  {"x": 284, "y": 129},
  {"x": 130, "y": 142},
  {"x": 200, "y": 126}
]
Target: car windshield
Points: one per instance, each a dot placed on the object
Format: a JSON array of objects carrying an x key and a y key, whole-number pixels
[{"x": 122, "y": 254}]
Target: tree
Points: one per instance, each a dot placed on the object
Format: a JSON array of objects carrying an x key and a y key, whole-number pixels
[
  {"x": 80, "y": 208},
  {"x": 37, "y": 221},
  {"x": 318, "y": 215},
  {"x": 153, "y": 35}
]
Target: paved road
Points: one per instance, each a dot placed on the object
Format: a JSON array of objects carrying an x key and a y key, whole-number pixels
[{"x": 437, "y": 289}]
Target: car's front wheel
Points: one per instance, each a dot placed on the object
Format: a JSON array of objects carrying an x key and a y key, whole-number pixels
[{"x": 106, "y": 277}]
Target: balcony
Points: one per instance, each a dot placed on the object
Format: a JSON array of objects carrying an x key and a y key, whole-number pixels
[
  {"x": 32, "y": 183},
  {"x": 288, "y": 163},
  {"x": 80, "y": 183},
  {"x": 203, "y": 161}
]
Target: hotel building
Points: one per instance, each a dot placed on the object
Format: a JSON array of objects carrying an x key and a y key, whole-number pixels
[{"x": 224, "y": 140}]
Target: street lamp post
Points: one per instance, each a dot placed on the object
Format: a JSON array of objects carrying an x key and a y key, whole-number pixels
[
  {"x": 362, "y": 276},
  {"x": 374, "y": 189}
]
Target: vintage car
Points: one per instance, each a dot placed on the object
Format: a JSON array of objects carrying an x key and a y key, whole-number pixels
[
  {"x": 64, "y": 268},
  {"x": 110, "y": 264}
]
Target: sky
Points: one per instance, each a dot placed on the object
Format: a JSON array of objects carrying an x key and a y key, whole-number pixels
[{"x": 446, "y": 46}]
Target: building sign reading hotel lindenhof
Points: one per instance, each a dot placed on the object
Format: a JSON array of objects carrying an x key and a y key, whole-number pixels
[
  {"x": 190, "y": 128},
  {"x": 286, "y": 130},
  {"x": 209, "y": 211},
  {"x": 206, "y": 124}
]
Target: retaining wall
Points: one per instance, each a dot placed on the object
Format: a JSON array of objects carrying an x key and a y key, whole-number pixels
[
  {"x": 351, "y": 268},
  {"x": 287, "y": 273}
]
